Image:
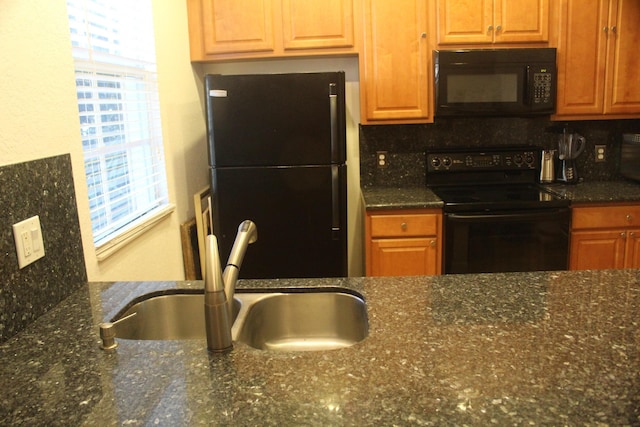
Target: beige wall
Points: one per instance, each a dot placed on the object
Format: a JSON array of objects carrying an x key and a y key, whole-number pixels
[{"x": 38, "y": 118}]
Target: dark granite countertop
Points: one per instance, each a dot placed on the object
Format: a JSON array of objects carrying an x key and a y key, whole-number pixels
[
  {"x": 377, "y": 198},
  {"x": 549, "y": 348},
  {"x": 599, "y": 192}
]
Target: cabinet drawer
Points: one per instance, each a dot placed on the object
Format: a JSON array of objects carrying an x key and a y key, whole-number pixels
[
  {"x": 606, "y": 217},
  {"x": 403, "y": 225}
]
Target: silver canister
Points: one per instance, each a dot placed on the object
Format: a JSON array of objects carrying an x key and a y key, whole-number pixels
[{"x": 548, "y": 167}]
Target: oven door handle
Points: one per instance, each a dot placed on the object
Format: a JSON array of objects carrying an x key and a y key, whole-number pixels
[{"x": 486, "y": 217}]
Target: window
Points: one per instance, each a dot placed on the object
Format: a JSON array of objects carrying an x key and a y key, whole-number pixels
[{"x": 114, "y": 54}]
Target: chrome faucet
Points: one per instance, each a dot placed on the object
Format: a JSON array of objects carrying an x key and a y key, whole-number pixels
[{"x": 219, "y": 287}]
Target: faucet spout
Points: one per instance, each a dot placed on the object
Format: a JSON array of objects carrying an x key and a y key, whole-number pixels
[
  {"x": 247, "y": 234},
  {"x": 216, "y": 315}
]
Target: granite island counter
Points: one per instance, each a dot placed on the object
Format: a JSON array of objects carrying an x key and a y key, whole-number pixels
[{"x": 546, "y": 348}]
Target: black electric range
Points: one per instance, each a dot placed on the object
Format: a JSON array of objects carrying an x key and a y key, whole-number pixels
[
  {"x": 497, "y": 218},
  {"x": 489, "y": 178}
]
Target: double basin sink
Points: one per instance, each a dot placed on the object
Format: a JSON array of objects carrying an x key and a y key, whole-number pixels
[{"x": 280, "y": 320}]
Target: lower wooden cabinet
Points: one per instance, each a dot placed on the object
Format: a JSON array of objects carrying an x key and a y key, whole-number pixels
[
  {"x": 604, "y": 237},
  {"x": 403, "y": 242}
]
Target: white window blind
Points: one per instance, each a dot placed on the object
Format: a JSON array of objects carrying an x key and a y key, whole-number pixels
[{"x": 114, "y": 52}]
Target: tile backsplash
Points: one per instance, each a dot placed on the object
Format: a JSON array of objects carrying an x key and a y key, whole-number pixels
[
  {"x": 406, "y": 145},
  {"x": 41, "y": 187}
]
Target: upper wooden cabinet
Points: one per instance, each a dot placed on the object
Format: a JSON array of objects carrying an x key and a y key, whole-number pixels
[
  {"x": 598, "y": 63},
  {"x": 229, "y": 29},
  {"x": 492, "y": 21},
  {"x": 395, "y": 63}
]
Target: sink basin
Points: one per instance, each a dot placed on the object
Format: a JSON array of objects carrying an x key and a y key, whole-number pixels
[
  {"x": 305, "y": 321},
  {"x": 282, "y": 320}
]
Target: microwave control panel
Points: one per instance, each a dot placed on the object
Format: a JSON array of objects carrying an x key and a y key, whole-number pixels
[{"x": 540, "y": 79}]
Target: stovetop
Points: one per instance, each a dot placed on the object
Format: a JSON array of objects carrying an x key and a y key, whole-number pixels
[
  {"x": 497, "y": 197},
  {"x": 489, "y": 179}
]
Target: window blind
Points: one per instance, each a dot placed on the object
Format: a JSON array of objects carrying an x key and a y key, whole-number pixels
[{"x": 114, "y": 54}]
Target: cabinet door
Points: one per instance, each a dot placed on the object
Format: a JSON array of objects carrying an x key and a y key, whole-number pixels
[
  {"x": 465, "y": 21},
  {"x": 623, "y": 85},
  {"x": 317, "y": 24},
  {"x": 403, "y": 257},
  {"x": 521, "y": 21},
  {"x": 233, "y": 26},
  {"x": 581, "y": 57},
  {"x": 395, "y": 61},
  {"x": 597, "y": 250},
  {"x": 633, "y": 249}
]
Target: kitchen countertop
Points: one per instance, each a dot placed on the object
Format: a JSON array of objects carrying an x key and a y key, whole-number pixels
[
  {"x": 377, "y": 198},
  {"x": 546, "y": 348}
]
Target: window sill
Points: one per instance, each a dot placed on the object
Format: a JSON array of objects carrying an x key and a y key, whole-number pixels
[{"x": 108, "y": 248}]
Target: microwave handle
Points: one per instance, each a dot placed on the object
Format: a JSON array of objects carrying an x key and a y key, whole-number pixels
[{"x": 528, "y": 90}]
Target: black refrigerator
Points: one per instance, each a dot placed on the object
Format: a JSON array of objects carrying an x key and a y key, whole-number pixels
[{"x": 277, "y": 152}]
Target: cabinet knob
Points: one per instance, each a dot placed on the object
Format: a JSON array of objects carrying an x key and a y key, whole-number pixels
[
  {"x": 490, "y": 28},
  {"x": 623, "y": 235},
  {"x": 403, "y": 226},
  {"x": 629, "y": 217},
  {"x": 632, "y": 234},
  {"x": 432, "y": 243},
  {"x": 498, "y": 28},
  {"x": 605, "y": 29},
  {"x": 614, "y": 29},
  {"x": 423, "y": 35}
]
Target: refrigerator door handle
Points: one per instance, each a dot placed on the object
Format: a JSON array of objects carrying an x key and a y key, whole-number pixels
[
  {"x": 335, "y": 202},
  {"x": 333, "y": 112}
]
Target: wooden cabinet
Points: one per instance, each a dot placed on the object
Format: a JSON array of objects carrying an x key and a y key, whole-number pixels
[
  {"x": 597, "y": 59},
  {"x": 403, "y": 242},
  {"x": 229, "y": 29},
  {"x": 395, "y": 63},
  {"x": 492, "y": 21},
  {"x": 605, "y": 237}
]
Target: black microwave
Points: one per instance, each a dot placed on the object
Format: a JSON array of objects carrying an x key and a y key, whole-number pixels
[{"x": 495, "y": 82}]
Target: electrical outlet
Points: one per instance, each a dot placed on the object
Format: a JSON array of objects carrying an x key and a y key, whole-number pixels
[
  {"x": 28, "y": 237},
  {"x": 382, "y": 159},
  {"x": 601, "y": 153}
]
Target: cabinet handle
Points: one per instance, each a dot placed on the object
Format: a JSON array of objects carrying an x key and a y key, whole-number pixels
[{"x": 403, "y": 226}]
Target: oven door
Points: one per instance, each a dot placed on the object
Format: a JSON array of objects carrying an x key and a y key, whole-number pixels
[{"x": 491, "y": 242}]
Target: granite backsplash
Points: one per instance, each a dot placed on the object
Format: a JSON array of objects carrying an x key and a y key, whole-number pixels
[
  {"x": 406, "y": 145},
  {"x": 41, "y": 187}
]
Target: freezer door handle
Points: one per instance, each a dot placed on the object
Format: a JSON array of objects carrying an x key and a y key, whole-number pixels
[
  {"x": 333, "y": 111},
  {"x": 335, "y": 202}
]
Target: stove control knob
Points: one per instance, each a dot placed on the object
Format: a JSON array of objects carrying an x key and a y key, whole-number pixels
[
  {"x": 517, "y": 159},
  {"x": 446, "y": 161},
  {"x": 529, "y": 159},
  {"x": 435, "y": 162}
]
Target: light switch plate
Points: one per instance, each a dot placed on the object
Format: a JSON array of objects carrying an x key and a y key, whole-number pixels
[{"x": 29, "y": 244}]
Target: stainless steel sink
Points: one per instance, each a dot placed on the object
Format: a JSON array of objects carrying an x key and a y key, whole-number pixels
[{"x": 282, "y": 320}]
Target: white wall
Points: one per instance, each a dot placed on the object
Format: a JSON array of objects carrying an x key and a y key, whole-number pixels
[{"x": 38, "y": 118}]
